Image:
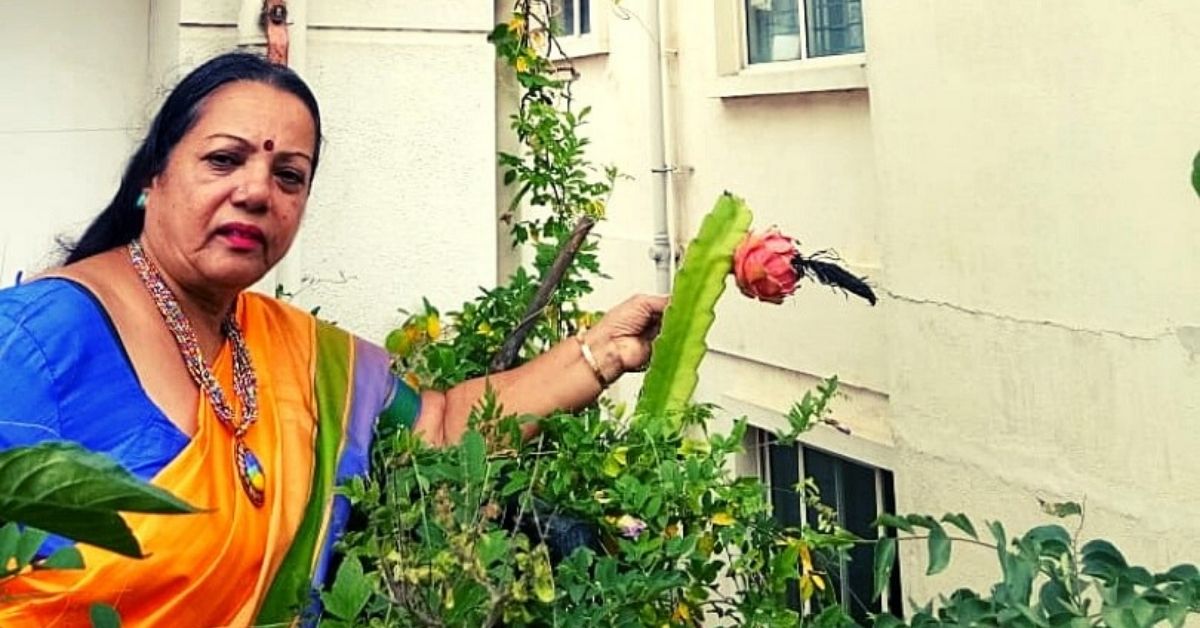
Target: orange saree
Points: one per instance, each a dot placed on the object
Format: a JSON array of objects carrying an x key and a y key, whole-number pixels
[{"x": 320, "y": 393}]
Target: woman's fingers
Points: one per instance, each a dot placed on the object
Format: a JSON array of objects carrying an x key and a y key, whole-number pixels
[{"x": 631, "y": 328}]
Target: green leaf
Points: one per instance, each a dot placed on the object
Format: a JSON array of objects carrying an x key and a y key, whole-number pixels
[
  {"x": 885, "y": 558},
  {"x": 31, "y": 539},
  {"x": 1177, "y": 614},
  {"x": 939, "y": 550},
  {"x": 63, "y": 489},
  {"x": 1060, "y": 509},
  {"x": 887, "y": 621},
  {"x": 961, "y": 522},
  {"x": 1138, "y": 576},
  {"x": 350, "y": 591},
  {"x": 474, "y": 454},
  {"x": 888, "y": 520},
  {"x": 1183, "y": 572},
  {"x": 1103, "y": 560},
  {"x": 63, "y": 558},
  {"x": 1196, "y": 173},
  {"x": 997, "y": 530},
  {"x": 104, "y": 616},
  {"x": 1054, "y": 597},
  {"x": 1119, "y": 618},
  {"x": 543, "y": 575},
  {"x": 701, "y": 279},
  {"x": 10, "y": 537},
  {"x": 1051, "y": 540},
  {"x": 923, "y": 521},
  {"x": 492, "y": 547}
]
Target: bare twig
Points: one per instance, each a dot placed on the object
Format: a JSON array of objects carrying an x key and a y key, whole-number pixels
[{"x": 507, "y": 354}]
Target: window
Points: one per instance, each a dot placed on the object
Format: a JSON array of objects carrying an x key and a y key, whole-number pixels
[
  {"x": 788, "y": 30},
  {"x": 582, "y": 31},
  {"x": 788, "y": 46},
  {"x": 857, "y": 492},
  {"x": 573, "y": 17}
]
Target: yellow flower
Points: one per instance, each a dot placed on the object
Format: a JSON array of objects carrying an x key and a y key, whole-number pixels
[
  {"x": 522, "y": 64},
  {"x": 397, "y": 343},
  {"x": 517, "y": 24},
  {"x": 806, "y": 563},
  {"x": 723, "y": 519},
  {"x": 615, "y": 461},
  {"x": 806, "y": 587},
  {"x": 682, "y": 614},
  {"x": 484, "y": 329},
  {"x": 433, "y": 326}
]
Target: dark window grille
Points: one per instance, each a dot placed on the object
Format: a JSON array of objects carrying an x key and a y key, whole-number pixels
[{"x": 858, "y": 493}]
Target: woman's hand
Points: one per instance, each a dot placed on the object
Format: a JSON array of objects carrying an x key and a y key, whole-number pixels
[
  {"x": 560, "y": 379},
  {"x": 621, "y": 340}
]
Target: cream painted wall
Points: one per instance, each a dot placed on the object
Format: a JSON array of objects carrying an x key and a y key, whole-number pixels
[
  {"x": 1014, "y": 179},
  {"x": 403, "y": 204},
  {"x": 73, "y": 102},
  {"x": 1039, "y": 240}
]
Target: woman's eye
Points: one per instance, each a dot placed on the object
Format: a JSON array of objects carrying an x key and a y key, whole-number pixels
[
  {"x": 223, "y": 161},
  {"x": 291, "y": 177}
]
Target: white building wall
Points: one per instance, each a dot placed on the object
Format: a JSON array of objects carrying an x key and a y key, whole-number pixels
[
  {"x": 1040, "y": 244},
  {"x": 403, "y": 205},
  {"x": 1014, "y": 179},
  {"x": 71, "y": 108}
]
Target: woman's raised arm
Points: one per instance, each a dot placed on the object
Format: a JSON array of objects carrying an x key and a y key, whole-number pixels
[{"x": 567, "y": 377}]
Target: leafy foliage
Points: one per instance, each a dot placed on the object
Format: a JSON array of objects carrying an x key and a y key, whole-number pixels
[
  {"x": 556, "y": 185},
  {"x": 607, "y": 518},
  {"x": 603, "y": 519},
  {"x": 18, "y": 547},
  {"x": 63, "y": 489},
  {"x": 1047, "y": 579}
]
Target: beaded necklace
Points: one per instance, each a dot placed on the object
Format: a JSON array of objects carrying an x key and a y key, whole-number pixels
[{"x": 245, "y": 382}]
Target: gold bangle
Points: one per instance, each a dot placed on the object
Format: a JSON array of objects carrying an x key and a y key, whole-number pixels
[{"x": 590, "y": 358}]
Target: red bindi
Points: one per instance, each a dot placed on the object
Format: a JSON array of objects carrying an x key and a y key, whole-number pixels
[{"x": 269, "y": 145}]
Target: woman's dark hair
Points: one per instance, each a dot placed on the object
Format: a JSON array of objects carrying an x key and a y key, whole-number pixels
[{"x": 121, "y": 222}]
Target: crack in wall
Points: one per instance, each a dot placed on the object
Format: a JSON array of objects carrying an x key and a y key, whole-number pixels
[{"x": 1177, "y": 331}]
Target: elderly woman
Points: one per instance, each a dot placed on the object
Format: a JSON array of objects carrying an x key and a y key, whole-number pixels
[{"x": 145, "y": 346}]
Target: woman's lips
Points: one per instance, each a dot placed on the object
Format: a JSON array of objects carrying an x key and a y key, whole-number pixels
[{"x": 242, "y": 237}]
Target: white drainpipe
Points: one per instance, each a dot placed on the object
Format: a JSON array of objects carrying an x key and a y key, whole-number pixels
[
  {"x": 289, "y": 271},
  {"x": 662, "y": 247}
]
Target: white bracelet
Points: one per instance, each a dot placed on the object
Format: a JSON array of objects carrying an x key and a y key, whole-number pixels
[{"x": 590, "y": 358}]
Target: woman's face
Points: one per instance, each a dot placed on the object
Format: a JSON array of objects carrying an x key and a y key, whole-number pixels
[{"x": 227, "y": 206}]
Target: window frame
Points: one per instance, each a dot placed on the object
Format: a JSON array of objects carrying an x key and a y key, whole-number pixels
[
  {"x": 737, "y": 77},
  {"x": 589, "y": 44},
  {"x": 759, "y": 440}
]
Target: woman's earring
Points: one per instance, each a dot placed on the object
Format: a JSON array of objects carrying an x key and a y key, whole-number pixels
[{"x": 141, "y": 201}]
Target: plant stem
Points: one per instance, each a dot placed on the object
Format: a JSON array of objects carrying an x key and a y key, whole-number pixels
[{"x": 507, "y": 354}]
